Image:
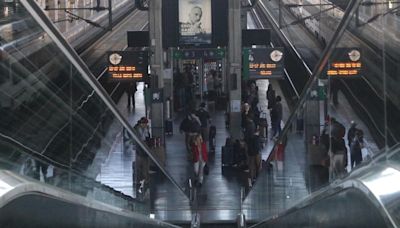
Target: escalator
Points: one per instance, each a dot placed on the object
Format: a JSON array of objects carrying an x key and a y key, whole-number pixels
[
  {"x": 368, "y": 197},
  {"x": 27, "y": 203},
  {"x": 57, "y": 126}
]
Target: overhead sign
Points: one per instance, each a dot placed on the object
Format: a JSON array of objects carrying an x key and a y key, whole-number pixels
[
  {"x": 263, "y": 63},
  {"x": 195, "y": 23},
  {"x": 213, "y": 53},
  {"x": 127, "y": 65},
  {"x": 345, "y": 63}
]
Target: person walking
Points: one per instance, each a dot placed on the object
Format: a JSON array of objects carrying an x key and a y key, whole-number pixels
[
  {"x": 200, "y": 158},
  {"x": 130, "y": 89},
  {"x": 254, "y": 155},
  {"x": 204, "y": 117},
  {"x": 276, "y": 117},
  {"x": 270, "y": 97},
  {"x": 338, "y": 154},
  {"x": 356, "y": 145},
  {"x": 351, "y": 133},
  {"x": 191, "y": 126},
  {"x": 142, "y": 160}
]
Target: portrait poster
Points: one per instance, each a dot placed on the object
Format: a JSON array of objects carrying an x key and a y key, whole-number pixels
[{"x": 195, "y": 22}]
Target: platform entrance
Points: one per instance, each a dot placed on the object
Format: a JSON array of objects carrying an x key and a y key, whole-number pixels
[{"x": 198, "y": 75}]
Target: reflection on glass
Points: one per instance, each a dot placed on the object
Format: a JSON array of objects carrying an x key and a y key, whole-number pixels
[
  {"x": 349, "y": 114},
  {"x": 54, "y": 127}
]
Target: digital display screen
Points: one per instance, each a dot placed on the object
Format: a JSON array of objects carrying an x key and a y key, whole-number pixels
[
  {"x": 262, "y": 63},
  {"x": 195, "y": 22},
  {"x": 345, "y": 63},
  {"x": 127, "y": 65}
]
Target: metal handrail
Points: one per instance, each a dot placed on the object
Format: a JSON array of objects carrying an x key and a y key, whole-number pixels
[
  {"x": 16, "y": 186},
  {"x": 87, "y": 75}
]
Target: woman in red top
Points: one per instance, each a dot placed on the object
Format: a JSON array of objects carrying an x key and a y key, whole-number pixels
[{"x": 200, "y": 157}]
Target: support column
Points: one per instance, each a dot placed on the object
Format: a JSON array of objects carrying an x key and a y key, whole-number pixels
[
  {"x": 234, "y": 68},
  {"x": 157, "y": 68}
]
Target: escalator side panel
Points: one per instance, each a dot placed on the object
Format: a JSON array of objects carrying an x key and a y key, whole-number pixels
[{"x": 348, "y": 208}]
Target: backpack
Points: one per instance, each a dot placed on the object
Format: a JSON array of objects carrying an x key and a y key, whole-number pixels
[
  {"x": 185, "y": 125},
  {"x": 203, "y": 116},
  {"x": 194, "y": 125}
]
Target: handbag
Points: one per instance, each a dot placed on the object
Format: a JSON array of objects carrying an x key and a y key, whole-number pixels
[{"x": 206, "y": 169}]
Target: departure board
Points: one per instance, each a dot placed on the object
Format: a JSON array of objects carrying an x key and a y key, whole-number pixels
[
  {"x": 263, "y": 63},
  {"x": 127, "y": 65},
  {"x": 345, "y": 63}
]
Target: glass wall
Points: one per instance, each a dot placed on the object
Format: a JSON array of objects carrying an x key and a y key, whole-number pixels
[
  {"x": 54, "y": 124},
  {"x": 348, "y": 110}
]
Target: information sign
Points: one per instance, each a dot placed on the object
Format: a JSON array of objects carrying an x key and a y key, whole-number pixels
[
  {"x": 127, "y": 65},
  {"x": 345, "y": 63},
  {"x": 212, "y": 53},
  {"x": 263, "y": 63}
]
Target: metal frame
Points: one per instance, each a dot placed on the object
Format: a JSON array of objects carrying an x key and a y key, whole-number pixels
[
  {"x": 97, "y": 8},
  {"x": 56, "y": 36}
]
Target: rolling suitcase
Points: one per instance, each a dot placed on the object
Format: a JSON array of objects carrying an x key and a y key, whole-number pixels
[
  {"x": 299, "y": 124},
  {"x": 227, "y": 155},
  {"x": 263, "y": 124},
  {"x": 169, "y": 130}
]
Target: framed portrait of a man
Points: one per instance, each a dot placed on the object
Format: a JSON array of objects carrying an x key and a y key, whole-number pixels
[{"x": 195, "y": 22}]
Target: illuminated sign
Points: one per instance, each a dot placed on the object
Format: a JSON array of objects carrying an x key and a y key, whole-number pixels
[
  {"x": 210, "y": 53},
  {"x": 345, "y": 63},
  {"x": 262, "y": 63},
  {"x": 127, "y": 65}
]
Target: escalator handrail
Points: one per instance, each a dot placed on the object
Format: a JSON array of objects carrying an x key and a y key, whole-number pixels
[
  {"x": 355, "y": 180},
  {"x": 15, "y": 186}
]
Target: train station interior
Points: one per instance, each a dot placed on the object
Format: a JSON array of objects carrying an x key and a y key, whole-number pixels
[{"x": 199, "y": 113}]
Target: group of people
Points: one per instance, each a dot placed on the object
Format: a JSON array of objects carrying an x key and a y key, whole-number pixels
[
  {"x": 246, "y": 154},
  {"x": 195, "y": 125},
  {"x": 251, "y": 119},
  {"x": 183, "y": 88},
  {"x": 254, "y": 126},
  {"x": 334, "y": 143}
]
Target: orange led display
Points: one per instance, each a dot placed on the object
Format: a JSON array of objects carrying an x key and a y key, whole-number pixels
[
  {"x": 343, "y": 69},
  {"x": 124, "y": 72},
  {"x": 265, "y": 72}
]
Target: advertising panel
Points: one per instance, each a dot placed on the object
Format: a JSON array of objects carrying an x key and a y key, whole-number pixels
[{"x": 195, "y": 22}]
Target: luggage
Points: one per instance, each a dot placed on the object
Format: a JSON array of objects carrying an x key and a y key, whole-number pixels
[
  {"x": 211, "y": 138},
  {"x": 222, "y": 102},
  {"x": 299, "y": 124},
  {"x": 227, "y": 156},
  {"x": 169, "y": 129},
  {"x": 263, "y": 125}
]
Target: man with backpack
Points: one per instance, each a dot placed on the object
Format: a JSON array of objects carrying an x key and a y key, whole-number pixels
[
  {"x": 191, "y": 126},
  {"x": 204, "y": 118}
]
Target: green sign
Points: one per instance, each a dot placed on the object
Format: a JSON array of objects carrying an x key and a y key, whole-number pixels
[{"x": 214, "y": 53}]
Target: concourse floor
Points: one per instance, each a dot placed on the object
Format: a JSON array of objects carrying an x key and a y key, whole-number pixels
[{"x": 218, "y": 198}]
